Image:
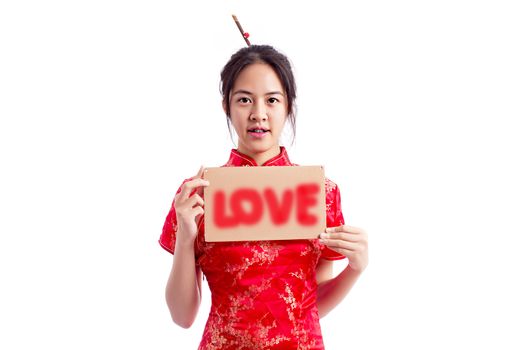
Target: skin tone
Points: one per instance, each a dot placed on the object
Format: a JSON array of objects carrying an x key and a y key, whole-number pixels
[
  {"x": 257, "y": 101},
  {"x": 352, "y": 242},
  {"x": 184, "y": 285}
]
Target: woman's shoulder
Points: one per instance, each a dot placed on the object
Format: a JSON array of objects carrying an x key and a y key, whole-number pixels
[{"x": 330, "y": 185}]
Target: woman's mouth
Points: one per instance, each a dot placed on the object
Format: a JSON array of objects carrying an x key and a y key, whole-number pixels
[{"x": 258, "y": 133}]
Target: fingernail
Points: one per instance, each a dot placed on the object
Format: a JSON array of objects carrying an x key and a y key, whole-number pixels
[{"x": 323, "y": 235}]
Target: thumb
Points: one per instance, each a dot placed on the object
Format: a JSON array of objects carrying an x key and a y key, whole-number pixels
[{"x": 200, "y": 173}]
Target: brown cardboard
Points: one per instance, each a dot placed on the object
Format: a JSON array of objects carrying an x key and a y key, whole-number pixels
[{"x": 257, "y": 187}]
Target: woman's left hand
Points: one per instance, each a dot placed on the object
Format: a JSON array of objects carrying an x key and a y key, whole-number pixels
[{"x": 349, "y": 241}]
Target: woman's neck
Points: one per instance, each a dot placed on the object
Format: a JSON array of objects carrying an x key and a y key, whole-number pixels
[{"x": 261, "y": 157}]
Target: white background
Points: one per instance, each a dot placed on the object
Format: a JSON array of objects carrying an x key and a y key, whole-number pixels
[{"x": 414, "y": 108}]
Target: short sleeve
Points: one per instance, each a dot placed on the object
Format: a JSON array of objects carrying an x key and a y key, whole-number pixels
[
  {"x": 334, "y": 217},
  {"x": 168, "y": 236}
]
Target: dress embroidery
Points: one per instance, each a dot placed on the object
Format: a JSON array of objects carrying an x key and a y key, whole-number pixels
[{"x": 263, "y": 292}]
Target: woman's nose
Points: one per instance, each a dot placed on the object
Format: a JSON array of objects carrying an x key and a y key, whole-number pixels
[{"x": 258, "y": 112}]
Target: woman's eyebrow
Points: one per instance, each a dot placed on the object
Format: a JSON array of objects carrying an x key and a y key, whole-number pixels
[{"x": 250, "y": 93}]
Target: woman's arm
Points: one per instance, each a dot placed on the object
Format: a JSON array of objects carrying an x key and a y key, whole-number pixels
[
  {"x": 183, "y": 290},
  {"x": 331, "y": 291},
  {"x": 351, "y": 242}
]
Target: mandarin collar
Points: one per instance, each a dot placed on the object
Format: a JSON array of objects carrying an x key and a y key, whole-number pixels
[{"x": 237, "y": 158}]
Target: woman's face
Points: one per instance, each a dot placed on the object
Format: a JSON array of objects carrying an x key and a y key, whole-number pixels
[{"x": 258, "y": 107}]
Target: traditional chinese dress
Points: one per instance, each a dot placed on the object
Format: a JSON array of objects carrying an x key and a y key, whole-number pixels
[{"x": 263, "y": 292}]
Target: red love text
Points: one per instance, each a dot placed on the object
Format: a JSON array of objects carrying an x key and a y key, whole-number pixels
[{"x": 278, "y": 206}]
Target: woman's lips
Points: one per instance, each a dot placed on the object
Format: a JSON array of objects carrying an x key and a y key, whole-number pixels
[{"x": 257, "y": 135}]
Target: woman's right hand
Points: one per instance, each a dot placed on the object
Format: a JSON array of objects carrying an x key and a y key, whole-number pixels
[{"x": 189, "y": 206}]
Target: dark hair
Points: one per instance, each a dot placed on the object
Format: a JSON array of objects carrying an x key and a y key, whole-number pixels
[{"x": 260, "y": 54}]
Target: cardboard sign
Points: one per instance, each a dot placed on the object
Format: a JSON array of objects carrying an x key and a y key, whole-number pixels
[{"x": 264, "y": 203}]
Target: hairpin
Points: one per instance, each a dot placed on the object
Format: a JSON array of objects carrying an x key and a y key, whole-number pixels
[{"x": 244, "y": 35}]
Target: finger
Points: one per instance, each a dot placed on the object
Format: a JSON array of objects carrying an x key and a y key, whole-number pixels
[
  {"x": 200, "y": 175},
  {"x": 347, "y": 253},
  {"x": 189, "y": 186},
  {"x": 194, "y": 201},
  {"x": 351, "y": 237},
  {"x": 344, "y": 252},
  {"x": 345, "y": 228},
  {"x": 335, "y": 243},
  {"x": 200, "y": 190},
  {"x": 200, "y": 172},
  {"x": 198, "y": 217},
  {"x": 196, "y": 211}
]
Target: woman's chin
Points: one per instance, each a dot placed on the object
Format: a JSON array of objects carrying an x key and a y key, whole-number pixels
[{"x": 258, "y": 147}]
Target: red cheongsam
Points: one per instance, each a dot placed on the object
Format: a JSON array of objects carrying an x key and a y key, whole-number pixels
[{"x": 263, "y": 292}]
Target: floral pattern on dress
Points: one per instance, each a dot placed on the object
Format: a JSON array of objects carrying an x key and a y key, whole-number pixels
[{"x": 263, "y": 292}]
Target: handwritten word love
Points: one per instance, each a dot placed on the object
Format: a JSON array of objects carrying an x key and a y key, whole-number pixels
[{"x": 303, "y": 197}]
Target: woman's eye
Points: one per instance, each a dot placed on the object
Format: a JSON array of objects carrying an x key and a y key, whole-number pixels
[
  {"x": 243, "y": 100},
  {"x": 272, "y": 100}
]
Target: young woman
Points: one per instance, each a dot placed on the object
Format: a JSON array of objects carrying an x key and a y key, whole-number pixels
[{"x": 265, "y": 294}]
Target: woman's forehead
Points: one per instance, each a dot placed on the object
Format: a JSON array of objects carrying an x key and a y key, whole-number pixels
[{"x": 258, "y": 78}]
